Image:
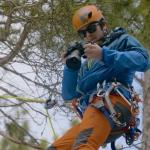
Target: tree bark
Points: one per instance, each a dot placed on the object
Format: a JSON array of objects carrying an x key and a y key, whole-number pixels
[{"x": 146, "y": 112}]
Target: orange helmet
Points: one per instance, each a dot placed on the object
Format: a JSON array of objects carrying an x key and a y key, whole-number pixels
[{"x": 86, "y": 15}]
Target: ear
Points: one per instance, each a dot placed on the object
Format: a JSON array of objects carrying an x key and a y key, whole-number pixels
[{"x": 105, "y": 29}]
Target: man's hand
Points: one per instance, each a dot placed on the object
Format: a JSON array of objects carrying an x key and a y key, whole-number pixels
[{"x": 93, "y": 51}]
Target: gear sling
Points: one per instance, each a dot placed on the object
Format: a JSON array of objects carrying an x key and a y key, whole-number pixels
[{"x": 109, "y": 116}]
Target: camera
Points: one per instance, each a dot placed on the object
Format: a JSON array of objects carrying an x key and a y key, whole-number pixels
[{"x": 73, "y": 55}]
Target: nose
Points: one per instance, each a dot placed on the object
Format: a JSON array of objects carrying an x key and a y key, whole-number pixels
[
  {"x": 88, "y": 37},
  {"x": 87, "y": 34}
]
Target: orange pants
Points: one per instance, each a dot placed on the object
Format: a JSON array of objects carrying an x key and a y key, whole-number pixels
[{"x": 90, "y": 134}]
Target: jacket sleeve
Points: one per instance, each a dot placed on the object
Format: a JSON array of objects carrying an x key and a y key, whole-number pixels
[
  {"x": 69, "y": 84},
  {"x": 131, "y": 56}
]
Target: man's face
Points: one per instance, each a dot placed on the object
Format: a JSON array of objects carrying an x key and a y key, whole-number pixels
[{"x": 91, "y": 33}]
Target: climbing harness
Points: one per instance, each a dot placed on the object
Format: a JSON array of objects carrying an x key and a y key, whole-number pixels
[{"x": 124, "y": 121}]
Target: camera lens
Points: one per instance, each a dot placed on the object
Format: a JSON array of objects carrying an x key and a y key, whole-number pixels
[{"x": 73, "y": 63}]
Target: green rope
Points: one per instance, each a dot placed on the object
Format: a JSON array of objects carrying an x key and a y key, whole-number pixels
[
  {"x": 32, "y": 100},
  {"x": 51, "y": 124},
  {"x": 24, "y": 99}
]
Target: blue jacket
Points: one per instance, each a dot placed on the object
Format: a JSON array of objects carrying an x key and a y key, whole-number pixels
[{"x": 122, "y": 54}]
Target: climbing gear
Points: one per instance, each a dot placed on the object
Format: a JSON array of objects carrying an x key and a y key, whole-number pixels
[
  {"x": 129, "y": 126},
  {"x": 122, "y": 115},
  {"x": 23, "y": 99},
  {"x": 86, "y": 15},
  {"x": 50, "y": 103},
  {"x": 113, "y": 114},
  {"x": 132, "y": 133},
  {"x": 103, "y": 97}
]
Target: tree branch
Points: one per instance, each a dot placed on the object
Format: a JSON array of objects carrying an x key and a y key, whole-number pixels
[{"x": 17, "y": 48}]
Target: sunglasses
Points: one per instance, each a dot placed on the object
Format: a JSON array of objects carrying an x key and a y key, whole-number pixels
[{"x": 90, "y": 29}]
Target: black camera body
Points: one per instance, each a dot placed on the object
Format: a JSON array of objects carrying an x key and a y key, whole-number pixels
[{"x": 73, "y": 55}]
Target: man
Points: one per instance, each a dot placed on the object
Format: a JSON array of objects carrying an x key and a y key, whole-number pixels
[{"x": 111, "y": 57}]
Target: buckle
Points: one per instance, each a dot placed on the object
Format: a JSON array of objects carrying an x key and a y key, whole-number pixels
[{"x": 97, "y": 101}]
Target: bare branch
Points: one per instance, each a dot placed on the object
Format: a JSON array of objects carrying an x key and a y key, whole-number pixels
[{"x": 18, "y": 46}]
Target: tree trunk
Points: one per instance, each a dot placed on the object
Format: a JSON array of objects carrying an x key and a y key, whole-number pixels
[{"x": 146, "y": 112}]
